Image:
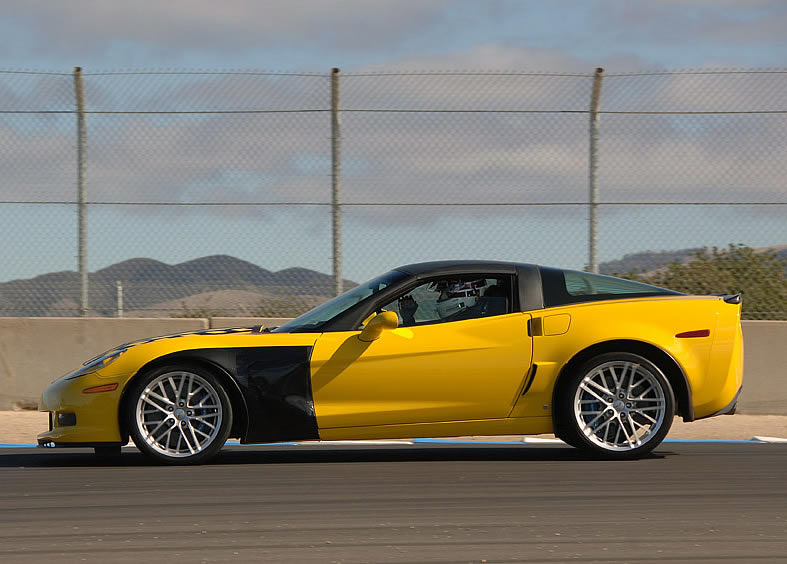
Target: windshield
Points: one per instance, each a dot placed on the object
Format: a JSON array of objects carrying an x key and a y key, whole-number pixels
[{"x": 312, "y": 320}]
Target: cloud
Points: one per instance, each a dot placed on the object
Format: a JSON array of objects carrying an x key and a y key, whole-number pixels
[
  {"x": 485, "y": 35},
  {"x": 693, "y": 23},
  {"x": 81, "y": 26},
  {"x": 491, "y": 56}
]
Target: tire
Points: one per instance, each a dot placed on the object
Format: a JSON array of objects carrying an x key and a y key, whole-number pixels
[
  {"x": 617, "y": 406},
  {"x": 179, "y": 414}
]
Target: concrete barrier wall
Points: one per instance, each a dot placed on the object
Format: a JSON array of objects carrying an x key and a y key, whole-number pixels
[
  {"x": 222, "y": 322},
  {"x": 764, "y": 368},
  {"x": 35, "y": 351}
]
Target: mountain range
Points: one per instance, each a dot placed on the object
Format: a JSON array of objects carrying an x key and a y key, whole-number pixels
[
  {"x": 651, "y": 260},
  {"x": 152, "y": 285},
  {"x": 220, "y": 285}
]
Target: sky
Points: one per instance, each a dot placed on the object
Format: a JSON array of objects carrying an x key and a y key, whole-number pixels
[
  {"x": 358, "y": 34},
  {"x": 457, "y": 158}
]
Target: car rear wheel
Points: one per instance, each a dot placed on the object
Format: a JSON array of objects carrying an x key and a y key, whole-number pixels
[
  {"x": 179, "y": 414},
  {"x": 618, "y": 405}
]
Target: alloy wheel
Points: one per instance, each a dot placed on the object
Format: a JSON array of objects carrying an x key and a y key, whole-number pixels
[
  {"x": 620, "y": 405},
  {"x": 179, "y": 414}
]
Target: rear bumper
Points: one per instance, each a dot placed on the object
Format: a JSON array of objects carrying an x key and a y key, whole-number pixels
[
  {"x": 717, "y": 391},
  {"x": 728, "y": 409}
]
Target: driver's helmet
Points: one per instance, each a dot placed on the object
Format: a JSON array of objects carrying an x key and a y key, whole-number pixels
[{"x": 457, "y": 295}]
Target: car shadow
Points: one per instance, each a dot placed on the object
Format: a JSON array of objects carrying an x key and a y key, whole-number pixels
[{"x": 130, "y": 457}]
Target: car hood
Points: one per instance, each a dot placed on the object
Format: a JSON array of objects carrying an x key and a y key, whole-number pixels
[{"x": 255, "y": 330}]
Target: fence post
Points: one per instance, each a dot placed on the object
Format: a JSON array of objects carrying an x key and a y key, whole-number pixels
[
  {"x": 595, "y": 97},
  {"x": 119, "y": 295},
  {"x": 81, "y": 191},
  {"x": 336, "y": 179}
]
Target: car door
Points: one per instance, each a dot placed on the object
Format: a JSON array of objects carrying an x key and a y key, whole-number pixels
[{"x": 451, "y": 369}]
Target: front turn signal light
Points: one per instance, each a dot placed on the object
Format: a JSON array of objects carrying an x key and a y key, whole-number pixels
[{"x": 102, "y": 388}]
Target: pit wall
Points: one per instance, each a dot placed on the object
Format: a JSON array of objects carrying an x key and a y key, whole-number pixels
[{"x": 34, "y": 351}]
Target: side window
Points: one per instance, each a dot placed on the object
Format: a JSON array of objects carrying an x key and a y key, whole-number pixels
[
  {"x": 586, "y": 284},
  {"x": 563, "y": 287},
  {"x": 453, "y": 299}
]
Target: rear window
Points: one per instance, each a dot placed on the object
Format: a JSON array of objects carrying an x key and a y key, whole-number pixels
[{"x": 563, "y": 287}]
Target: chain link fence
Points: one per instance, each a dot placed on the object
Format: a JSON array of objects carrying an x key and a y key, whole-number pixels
[{"x": 255, "y": 193}]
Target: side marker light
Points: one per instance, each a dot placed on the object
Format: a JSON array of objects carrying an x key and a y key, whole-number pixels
[
  {"x": 101, "y": 388},
  {"x": 691, "y": 334}
]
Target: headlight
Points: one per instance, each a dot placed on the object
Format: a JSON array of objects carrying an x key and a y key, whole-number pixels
[{"x": 95, "y": 364}]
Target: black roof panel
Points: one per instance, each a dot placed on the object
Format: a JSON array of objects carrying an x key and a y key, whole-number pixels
[{"x": 461, "y": 266}]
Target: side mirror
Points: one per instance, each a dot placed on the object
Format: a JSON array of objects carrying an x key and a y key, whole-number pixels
[{"x": 378, "y": 324}]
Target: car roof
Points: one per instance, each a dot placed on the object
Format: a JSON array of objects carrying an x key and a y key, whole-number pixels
[{"x": 462, "y": 267}]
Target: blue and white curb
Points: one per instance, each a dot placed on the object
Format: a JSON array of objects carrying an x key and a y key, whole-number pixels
[
  {"x": 526, "y": 440},
  {"x": 769, "y": 440},
  {"x": 16, "y": 445},
  {"x": 405, "y": 442}
]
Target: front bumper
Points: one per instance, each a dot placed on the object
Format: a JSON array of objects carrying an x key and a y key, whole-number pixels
[{"x": 97, "y": 422}]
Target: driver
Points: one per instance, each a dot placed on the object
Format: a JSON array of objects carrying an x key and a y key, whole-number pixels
[{"x": 458, "y": 299}]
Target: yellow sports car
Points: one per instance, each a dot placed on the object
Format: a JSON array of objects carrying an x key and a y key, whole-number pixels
[{"x": 426, "y": 350}]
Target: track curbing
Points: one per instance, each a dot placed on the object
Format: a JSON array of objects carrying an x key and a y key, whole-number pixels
[{"x": 436, "y": 441}]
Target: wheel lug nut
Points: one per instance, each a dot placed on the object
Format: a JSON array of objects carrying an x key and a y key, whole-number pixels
[
  {"x": 181, "y": 404},
  {"x": 189, "y": 413},
  {"x": 621, "y": 396},
  {"x": 170, "y": 408},
  {"x": 628, "y": 405}
]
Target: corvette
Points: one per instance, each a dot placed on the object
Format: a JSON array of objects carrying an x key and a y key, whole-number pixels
[{"x": 444, "y": 349}]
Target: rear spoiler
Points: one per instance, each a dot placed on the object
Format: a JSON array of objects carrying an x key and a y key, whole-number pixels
[{"x": 732, "y": 298}]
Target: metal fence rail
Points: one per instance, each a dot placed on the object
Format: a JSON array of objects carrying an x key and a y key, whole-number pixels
[{"x": 258, "y": 193}]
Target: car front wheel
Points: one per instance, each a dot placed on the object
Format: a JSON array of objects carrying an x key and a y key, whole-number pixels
[
  {"x": 618, "y": 405},
  {"x": 179, "y": 414}
]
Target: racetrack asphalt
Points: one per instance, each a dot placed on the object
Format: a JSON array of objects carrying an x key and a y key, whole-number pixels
[{"x": 704, "y": 502}]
